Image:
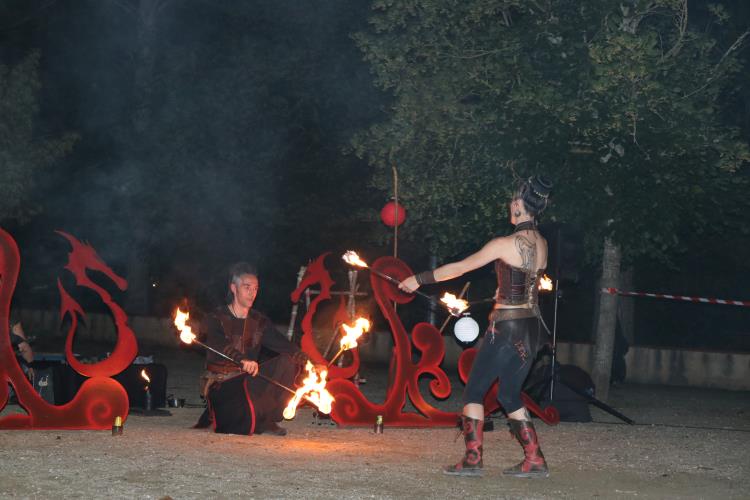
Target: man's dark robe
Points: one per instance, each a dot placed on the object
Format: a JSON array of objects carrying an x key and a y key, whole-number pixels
[{"x": 237, "y": 402}]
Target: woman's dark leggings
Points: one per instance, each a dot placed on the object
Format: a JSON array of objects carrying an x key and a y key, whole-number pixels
[{"x": 507, "y": 354}]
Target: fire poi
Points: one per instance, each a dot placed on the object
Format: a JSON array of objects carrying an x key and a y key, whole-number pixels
[
  {"x": 187, "y": 336},
  {"x": 353, "y": 259},
  {"x": 349, "y": 340}
]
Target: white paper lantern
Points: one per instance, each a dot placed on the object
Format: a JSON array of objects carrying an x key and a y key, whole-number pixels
[{"x": 466, "y": 329}]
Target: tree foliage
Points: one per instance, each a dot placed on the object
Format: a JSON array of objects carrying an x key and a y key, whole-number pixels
[{"x": 618, "y": 102}]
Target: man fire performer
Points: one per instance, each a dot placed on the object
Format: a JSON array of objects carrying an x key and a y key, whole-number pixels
[
  {"x": 238, "y": 401},
  {"x": 514, "y": 333}
]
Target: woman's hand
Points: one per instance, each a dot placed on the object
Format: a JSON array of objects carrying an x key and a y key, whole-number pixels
[{"x": 409, "y": 285}]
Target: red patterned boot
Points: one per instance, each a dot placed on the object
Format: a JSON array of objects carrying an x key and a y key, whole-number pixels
[
  {"x": 471, "y": 465},
  {"x": 533, "y": 464}
]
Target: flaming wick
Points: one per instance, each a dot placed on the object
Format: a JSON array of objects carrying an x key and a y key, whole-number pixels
[
  {"x": 455, "y": 305},
  {"x": 349, "y": 341},
  {"x": 351, "y": 258},
  {"x": 314, "y": 390},
  {"x": 545, "y": 284},
  {"x": 145, "y": 377}
]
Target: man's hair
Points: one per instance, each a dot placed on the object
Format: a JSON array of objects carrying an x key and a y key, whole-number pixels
[{"x": 239, "y": 269}]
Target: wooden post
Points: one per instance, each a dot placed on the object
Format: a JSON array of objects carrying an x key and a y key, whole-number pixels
[
  {"x": 351, "y": 305},
  {"x": 295, "y": 307},
  {"x": 395, "y": 199}
]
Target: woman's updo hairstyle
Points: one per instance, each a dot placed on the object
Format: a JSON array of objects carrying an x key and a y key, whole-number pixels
[{"x": 534, "y": 192}]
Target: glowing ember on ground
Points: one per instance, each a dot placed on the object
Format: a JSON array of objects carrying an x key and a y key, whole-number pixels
[
  {"x": 455, "y": 305},
  {"x": 314, "y": 390},
  {"x": 180, "y": 321},
  {"x": 351, "y": 258},
  {"x": 545, "y": 283},
  {"x": 349, "y": 341}
]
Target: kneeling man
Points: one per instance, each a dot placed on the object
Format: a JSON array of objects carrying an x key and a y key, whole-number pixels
[{"x": 239, "y": 402}]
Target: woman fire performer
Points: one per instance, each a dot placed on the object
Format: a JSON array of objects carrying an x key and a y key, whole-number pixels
[{"x": 514, "y": 333}]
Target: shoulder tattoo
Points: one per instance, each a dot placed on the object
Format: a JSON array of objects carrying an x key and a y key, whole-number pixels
[{"x": 527, "y": 250}]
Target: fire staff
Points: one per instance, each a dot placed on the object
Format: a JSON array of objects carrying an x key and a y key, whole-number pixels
[
  {"x": 514, "y": 333},
  {"x": 238, "y": 401}
]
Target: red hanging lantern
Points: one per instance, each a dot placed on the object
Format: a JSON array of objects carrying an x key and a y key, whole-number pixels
[{"x": 388, "y": 214}]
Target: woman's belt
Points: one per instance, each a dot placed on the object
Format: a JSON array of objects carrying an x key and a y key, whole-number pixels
[
  {"x": 511, "y": 314},
  {"x": 507, "y": 314}
]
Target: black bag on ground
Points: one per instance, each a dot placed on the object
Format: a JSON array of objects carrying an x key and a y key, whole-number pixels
[{"x": 570, "y": 382}]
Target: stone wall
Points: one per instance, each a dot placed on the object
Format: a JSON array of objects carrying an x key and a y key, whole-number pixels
[{"x": 645, "y": 365}]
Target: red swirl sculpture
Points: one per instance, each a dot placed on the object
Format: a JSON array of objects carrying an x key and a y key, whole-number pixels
[
  {"x": 100, "y": 399},
  {"x": 351, "y": 408},
  {"x": 317, "y": 274}
]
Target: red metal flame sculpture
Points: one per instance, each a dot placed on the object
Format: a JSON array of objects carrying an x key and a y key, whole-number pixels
[
  {"x": 351, "y": 407},
  {"x": 317, "y": 274},
  {"x": 100, "y": 398}
]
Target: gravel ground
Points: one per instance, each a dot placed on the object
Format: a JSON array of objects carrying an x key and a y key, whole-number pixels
[{"x": 688, "y": 443}]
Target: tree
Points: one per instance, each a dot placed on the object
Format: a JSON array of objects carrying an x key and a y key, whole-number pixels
[
  {"x": 662, "y": 156},
  {"x": 24, "y": 152},
  {"x": 619, "y": 102}
]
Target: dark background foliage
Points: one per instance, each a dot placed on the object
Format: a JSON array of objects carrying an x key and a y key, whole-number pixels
[{"x": 178, "y": 137}]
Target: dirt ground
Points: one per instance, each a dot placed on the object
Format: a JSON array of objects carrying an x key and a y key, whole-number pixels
[{"x": 687, "y": 443}]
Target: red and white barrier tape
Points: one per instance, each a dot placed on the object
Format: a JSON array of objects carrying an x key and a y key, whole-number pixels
[{"x": 704, "y": 300}]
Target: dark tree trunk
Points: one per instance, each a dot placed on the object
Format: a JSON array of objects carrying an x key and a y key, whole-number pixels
[
  {"x": 626, "y": 315},
  {"x": 605, "y": 331}
]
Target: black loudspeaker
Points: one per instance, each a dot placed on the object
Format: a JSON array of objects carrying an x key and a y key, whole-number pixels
[
  {"x": 134, "y": 384},
  {"x": 45, "y": 383},
  {"x": 55, "y": 381}
]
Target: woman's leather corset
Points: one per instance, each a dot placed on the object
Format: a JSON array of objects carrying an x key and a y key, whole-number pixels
[{"x": 516, "y": 286}]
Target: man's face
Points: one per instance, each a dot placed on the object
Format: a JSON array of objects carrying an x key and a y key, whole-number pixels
[{"x": 246, "y": 290}]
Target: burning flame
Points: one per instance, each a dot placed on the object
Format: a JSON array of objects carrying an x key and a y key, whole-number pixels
[
  {"x": 349, "y": 341},
  {"x": 186, "y": 333},
  {"x": 545, "y": 283},
  {"x": 351, "y": 258},
  {"x": 455, "y": 305},
  {"x": 314, "y": 390},
  {"x": 145, "y": 376}
]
